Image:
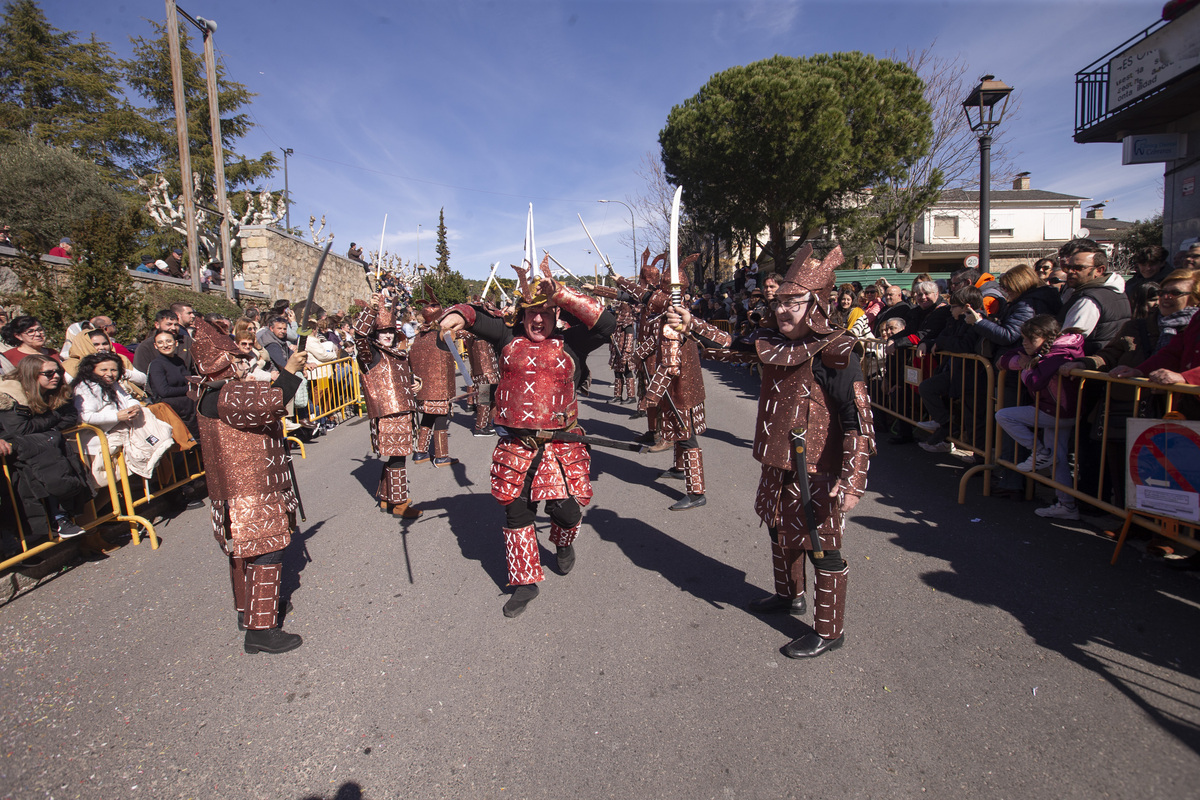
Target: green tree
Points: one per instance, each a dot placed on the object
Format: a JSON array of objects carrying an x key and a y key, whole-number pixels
[
  {"x": 99, "y": 281},
  {"x": 449, "y": 287},
  {"x": 1144, "y": 233},
  {"x": 48, "y": 192},
  {"x": 442, "y": 249},
  {"x": 67, "y": 93},
  {"x": 785, "y": 143},
  {"x": 149, "y": 74}
]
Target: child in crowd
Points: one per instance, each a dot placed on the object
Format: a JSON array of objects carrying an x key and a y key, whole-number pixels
[{"x": 1044, "y": 348}]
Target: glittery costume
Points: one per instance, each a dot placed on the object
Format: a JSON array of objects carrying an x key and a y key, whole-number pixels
[
  {"x": 815, "y": 383},
  {"x": 435, "y": 370},
  {"x": 485, "y": 374},
  {"x": 391, "y": 402},
  {"x": 676, "y": 391},
  {"x": 246, "y": 466},
  {"x": 536, "y": 391}
]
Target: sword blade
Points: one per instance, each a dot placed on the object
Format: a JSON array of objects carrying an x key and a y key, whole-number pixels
[{"x": 462, "y": 367}]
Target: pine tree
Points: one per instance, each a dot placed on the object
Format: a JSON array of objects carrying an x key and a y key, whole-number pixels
[
  {"x": 443, "y": 250},
  {"x": 65, "y": 93}
]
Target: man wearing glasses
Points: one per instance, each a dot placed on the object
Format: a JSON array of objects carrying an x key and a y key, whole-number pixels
[
  {"x": 1094, "y": 303},
  {"x": 813, "y": 436}
]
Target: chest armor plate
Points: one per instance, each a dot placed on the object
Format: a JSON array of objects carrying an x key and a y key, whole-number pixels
[
  {"x": 482, "y": 358},
  {"x": 537, "y": 385},
  {"x": 389, "y": 387},
  {"x": 248, "y": 460},
  {"x": 434, "y": 366},
  {"x": 791, "y": 398}
]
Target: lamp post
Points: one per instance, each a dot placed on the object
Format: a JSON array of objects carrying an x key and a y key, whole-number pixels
[
  {"x": 985, "y": 108},
  {"x": 418, "y": 245},
  {"x": 287, "y": 196},
  {"x": 632, "y": 227}
]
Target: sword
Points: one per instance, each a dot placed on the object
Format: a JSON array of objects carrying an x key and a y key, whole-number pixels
[
  {"x": 303, "y": 331},
  {"x": 676, "y": 285},
  {"x": 462, "y": 367},
  {"x": 603, "y": 257},
  {"x": 597, "y": 441},
  {"x": 800, "y": 448},
  {"x": 560, "y": 265}
]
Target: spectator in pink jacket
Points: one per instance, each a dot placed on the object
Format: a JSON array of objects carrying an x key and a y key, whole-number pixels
[{"x": 1043, "y": 350}]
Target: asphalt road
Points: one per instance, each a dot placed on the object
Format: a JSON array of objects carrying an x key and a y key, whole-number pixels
[{"x": 989, "y": 654}]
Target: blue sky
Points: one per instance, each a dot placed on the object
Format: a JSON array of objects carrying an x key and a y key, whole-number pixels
[{"x": 481, "y": 108}]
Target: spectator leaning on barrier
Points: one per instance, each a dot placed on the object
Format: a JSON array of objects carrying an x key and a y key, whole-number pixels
[
  {"x": 35, "y": 408},
  {"x": 1045, "y": 348},
  {"x": 1176, "y": 358},
  {"x": 1026, "y": 297},
  {"x": 946, "y": 383},
  {"x": 1095, "y": 303}
]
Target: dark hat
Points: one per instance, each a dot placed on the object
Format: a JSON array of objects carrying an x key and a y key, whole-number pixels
[
  {"x": 280, "y": 306},
  {"x": 147, "y": 259},
  {"x": 177, "y": 251},
  {"x": 65, "y": 240}
]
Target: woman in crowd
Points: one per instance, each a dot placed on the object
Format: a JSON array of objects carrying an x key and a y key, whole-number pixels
[
  {"x": 101, "y": 401},
  {"x": 26, "y": 336},
  {"x": 95, "y": 340},
  {"x": 35, "y": 407},
  {"x": 259, "y": 366},
  {"x": 1044, "y": 350},
  {"x": 169, "y": 379},
  {"x": 1027, "y": 297}
]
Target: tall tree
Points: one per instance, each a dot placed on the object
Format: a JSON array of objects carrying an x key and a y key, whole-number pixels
[
  {"x": 442, "y": 249},
  {"x": 784, "y": 143},
  {"x": 66, "y": 93},
  {"x": 149, "y": 74}
]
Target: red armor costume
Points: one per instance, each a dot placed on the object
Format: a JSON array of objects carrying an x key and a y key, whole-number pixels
[
  {"x": 539, "y": 370},
  {"x": 435, "y": 372},
  {"x": 811, "y": 382},
  {"x": 249, "y": 480},
  {"x": 485, "y": 374},
  {"x": 391, "y": 402},
  {"x": 676, "y": 390}
]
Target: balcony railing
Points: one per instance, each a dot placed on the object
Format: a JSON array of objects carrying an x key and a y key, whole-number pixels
[{"x": 1091, "y": 85}]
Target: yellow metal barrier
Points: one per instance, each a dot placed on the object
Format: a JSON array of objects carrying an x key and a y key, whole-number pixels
[
  {"x": 91, "y": 517},
  {"x": 333, "y": 387},
  {"x": 176, "y": 469}
]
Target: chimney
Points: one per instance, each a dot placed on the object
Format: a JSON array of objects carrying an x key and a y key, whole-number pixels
[
  {"x": 1096, "y": 211},
  {"x": 1021, "y": 181}
]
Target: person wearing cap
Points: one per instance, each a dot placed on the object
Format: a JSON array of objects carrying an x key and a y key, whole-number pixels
[
  {"x": 813, "y": 404},
  {"x": 540, "y": 368},
  {"x": 146, "y": 265},
  {"x": 64, "y": 248},
  {"x": 391, "y": 401},
  {"x": 173, "y": 264}
]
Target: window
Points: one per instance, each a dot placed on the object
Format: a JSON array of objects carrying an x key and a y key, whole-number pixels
[
  {"x": 1001, "y": 233},
  {"x": 945, "y": 227}
]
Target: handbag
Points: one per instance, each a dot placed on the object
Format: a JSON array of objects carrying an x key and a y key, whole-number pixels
[{"x": 179, "y": 431}]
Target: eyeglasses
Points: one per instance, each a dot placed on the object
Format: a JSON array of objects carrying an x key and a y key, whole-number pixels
[
  {"x": 1171, "y": 293},
  {"x": 35, "y": 331},
  {"x": 790, "y": 304},
  {"x": 50, "y": 373}
]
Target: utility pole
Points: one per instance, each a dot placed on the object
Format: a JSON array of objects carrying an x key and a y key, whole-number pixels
[{"x": 185, "y": 157}]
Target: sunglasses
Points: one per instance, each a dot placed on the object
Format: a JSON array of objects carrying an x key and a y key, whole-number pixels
[
  {"x": 1055, "y": 281},
  {"x": 50, "y": 373}
]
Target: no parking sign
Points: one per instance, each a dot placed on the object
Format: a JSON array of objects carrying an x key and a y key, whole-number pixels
[{"x": 1164, "y": 467}]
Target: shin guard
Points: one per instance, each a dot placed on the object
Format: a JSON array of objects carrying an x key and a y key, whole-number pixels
[
  {"x": 237, "y": 577},
  {"x": 693, "y": 470},
  {"x": 441, "y": 444},
  {"x": 789, "y": 571},
  {"x": 524, "y": 561},
  {"x": 423, "y": 437},
  {"x": 263, "y": 580},
  {"x": 393, "y": 485},
  {"x": 563, "y": 537},
  {"x": 829, "y": 615}
]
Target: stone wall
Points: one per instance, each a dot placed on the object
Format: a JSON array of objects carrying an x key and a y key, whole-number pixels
[{"x": 281, "y": 266}]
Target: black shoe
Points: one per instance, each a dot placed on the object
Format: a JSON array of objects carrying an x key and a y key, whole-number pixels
[
  {"x": 444, "y": 461},
  {"x": 673, "y": 473},
  {"x": 272, "y": 640},
  {"x": 637, "y": 415},
  {"x": 691, "y": 501},
  {"x": 778, "y": 604},
  {"x": 420, "y": 458},
  {"x": 488, "y": 431},
  {"x": 810, "y": 646},
  {"x": 566, "y": 559},
  {"x": 520, "y": 598}
]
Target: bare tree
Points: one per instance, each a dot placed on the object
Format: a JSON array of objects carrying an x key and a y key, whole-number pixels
[{"x": 654, "y": 206}]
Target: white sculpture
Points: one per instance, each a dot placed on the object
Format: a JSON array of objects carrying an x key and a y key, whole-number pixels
[
  {"x": 316, "y": 234},
  {"x": 167, "y": 212}
]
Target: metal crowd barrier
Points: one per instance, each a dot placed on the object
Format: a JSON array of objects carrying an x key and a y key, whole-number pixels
[
  {"x": 92, "y": 516},
  {"x": 893, "y": 380},
  {"x": 333, "y": 387}
]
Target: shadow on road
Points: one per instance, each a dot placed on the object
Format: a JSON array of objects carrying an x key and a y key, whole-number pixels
[
  {"x": 347, "y": 791},
  {"x": 476, "y": 520}
]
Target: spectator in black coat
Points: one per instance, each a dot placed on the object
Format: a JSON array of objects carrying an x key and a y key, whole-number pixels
[{"x": 169, "y": 380}]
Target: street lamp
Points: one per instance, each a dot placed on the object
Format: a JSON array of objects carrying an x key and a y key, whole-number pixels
[
  {"x": 985, "y": 108},
  {"x": 287, "y": 197},
  {"x": 631, "y": 227}
]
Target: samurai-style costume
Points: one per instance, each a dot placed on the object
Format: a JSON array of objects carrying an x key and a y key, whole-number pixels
[
  {"x": 249, "y": 481},
  {"x": 391, "y": 402},
  {"x": 485, "y": 374},
  {"x": 435, "y": 371},
  {"x": 813, "y": 400},
  {"x": 536, "y": 396}
]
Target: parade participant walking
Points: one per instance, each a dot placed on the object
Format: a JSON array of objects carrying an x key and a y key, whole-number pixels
[
  {"x": 390, "y": 399},
  {"x": 249, "y": 483},
  {"x": 485, "y": 374},
  {"x": 434, "y": 368},
  {"x": 676, "y": 392},
  {"x": 535, "y": 398},
  {"x": 813, "y": 436}
]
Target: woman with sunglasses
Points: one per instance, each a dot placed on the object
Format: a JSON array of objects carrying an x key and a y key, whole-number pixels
[
  {"x": 36, "y": 405},
  {"x": 26, "y": 336}
]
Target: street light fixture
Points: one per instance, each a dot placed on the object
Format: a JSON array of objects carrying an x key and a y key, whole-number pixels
[
  {"x": 632, "y": 227},
  {"x": 985, "y": 108}
]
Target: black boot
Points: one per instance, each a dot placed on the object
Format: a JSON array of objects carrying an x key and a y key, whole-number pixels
[
  {"x": 520, "y": 598},
  {"x": 810, "y": 646},
  {"x": 674, "y": 473},
  {"x": 691, "y": 501},
  {"x": 566, "y": 558},
  {"x": 777, "y": 604},
  {"x": 272, "y": 640}
]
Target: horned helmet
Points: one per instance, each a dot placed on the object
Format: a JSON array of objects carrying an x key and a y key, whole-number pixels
[
  {"x": 213, "y": 351},
  {"x": 807, "y": 275}
]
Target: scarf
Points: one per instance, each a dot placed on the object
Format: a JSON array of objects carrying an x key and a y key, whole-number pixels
[{"x": 1172, "y": 324}]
